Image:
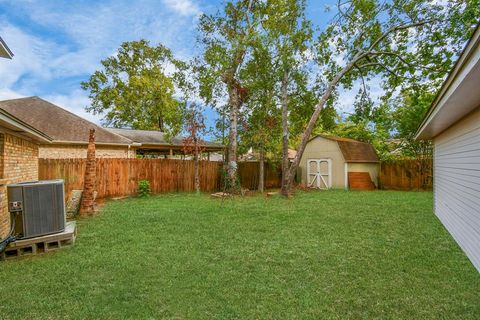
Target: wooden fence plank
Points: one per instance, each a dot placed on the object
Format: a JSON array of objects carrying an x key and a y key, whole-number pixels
[
  {"x": 406, "y": 175},
  {"x": 120, "y": 177}
]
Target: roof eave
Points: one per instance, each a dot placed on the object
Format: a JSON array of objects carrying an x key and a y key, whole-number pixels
[
  {"x": 362, "y": 161},
  {"x": 157, "y": 145},
  {"x": 96, "y": 143},
  {"x": 24, "y": 128},
  {"x": 5, "y": 51},
  {"x": 472, "y": 45}
]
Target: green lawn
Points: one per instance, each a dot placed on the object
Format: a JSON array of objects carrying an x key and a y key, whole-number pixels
[{"x": 322, "y": 255}]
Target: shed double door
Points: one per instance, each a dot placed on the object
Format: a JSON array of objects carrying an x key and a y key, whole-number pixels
[{"x": 319, "y": 173}]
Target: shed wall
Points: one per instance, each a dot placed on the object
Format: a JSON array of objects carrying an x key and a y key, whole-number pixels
[
  {"x": 321, "y": 148},
  {"x": 372, "y": 168},
  {"x": 457, "y": 183}
]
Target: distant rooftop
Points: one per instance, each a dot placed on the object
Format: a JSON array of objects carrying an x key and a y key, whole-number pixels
[{"x": 155, "y": 138}]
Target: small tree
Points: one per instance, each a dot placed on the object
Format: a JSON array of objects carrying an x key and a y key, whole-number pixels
[{"x": 193, "y": 143}]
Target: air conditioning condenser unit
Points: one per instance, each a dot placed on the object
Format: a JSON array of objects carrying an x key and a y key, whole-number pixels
[{"x": 39, "y": 207}]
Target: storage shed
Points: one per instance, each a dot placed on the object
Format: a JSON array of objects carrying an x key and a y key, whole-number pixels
[
  {"x": 334, "y": 162},
  {"x": 453, "y": 123}
]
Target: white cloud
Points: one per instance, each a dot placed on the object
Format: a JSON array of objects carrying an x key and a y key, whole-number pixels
[
  {"x": 49, "y": 64},
  {"x": 7, "y": 94},
  {"x": 184, "y": 7},
  {"x": 31, "y": 57}
]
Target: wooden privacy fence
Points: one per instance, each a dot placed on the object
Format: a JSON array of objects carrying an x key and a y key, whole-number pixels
[
  {"x": 120, "y": 177},
  {"x": 406, "y": 175},
  {"x": 248, "y": 173}
]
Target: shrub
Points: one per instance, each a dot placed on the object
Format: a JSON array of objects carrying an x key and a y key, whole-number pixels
[{"x": 143, "y": 188}]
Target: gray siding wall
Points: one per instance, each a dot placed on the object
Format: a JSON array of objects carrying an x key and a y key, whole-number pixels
[{"x": 457, "y": 183}]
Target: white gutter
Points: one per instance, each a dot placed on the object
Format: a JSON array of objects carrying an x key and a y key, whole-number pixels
[
  {"x": 5, "y": 52},
  {"x": 96, "y": 143},
  {"x": 451, "y": 80}
]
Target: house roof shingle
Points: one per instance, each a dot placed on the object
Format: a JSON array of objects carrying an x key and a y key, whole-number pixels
[
  {"x": 353, "y": 150},
  {"x": 58, "y": 123},
  {"x": 9, "y": 122}
]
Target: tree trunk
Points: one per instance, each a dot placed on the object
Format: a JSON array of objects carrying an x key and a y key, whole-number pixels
[
  {"x": 261, "y": 171},
  {"x": 232, "y": 141},
  {"x": 161, "y": 124},
  {"x": 285, "y": 191},
  {"x": 287, "y": 184},
  {"x": 196, "y": 165},
  {"x": 87, "y": 203}
]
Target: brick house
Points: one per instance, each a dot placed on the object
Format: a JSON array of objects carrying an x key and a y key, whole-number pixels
[{"x": 19, "y": 145}]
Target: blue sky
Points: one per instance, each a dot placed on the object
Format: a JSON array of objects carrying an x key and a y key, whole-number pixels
[{"x": 58, "y": 44}]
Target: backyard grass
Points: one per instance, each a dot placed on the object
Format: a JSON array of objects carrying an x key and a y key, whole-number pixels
[{"x": 322, "y": 255}]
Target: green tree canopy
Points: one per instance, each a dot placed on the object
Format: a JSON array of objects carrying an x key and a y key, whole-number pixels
[{"x": 133, "y": 88}]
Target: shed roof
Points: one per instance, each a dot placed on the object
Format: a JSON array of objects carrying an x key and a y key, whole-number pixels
[
  {"x": 155, "y": 138},
  {"x": 354, "y": 150},
  {"x": 59, "y": 124}
]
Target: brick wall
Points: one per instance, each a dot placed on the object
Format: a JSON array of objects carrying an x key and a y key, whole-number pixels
[
  {"x": 80, "y": 152},
  {"x": 19, "y": 162}
]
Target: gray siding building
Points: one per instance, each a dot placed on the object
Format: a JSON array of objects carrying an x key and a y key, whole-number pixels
[{"x": 453, "y": 123}]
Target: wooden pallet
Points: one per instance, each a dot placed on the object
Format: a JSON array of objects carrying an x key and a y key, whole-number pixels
[
  {"x": 43, "y": 244},
  {"x": 360, "y": 181}
]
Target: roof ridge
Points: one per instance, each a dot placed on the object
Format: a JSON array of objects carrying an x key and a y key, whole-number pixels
[
  {"x": 338, "y": 138},
  {"x": 131, "y": 129}
]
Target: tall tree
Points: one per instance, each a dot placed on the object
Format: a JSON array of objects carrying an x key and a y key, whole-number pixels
[
  {"x": 193, "y": 142},
  {"x": 133, "y": 88},
  {"x": 225, "y": 38},
  {"x": 398, "y": 40},
  {"x": 288, "y": 34},
  {"x": 261, "y": 125}
]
